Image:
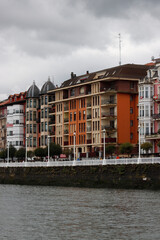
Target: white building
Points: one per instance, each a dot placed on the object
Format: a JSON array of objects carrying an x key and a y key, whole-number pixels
[{"x": 15, "y": 125}]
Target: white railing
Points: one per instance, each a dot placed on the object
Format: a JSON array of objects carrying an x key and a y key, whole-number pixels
[{"x": 84, "y": 162}]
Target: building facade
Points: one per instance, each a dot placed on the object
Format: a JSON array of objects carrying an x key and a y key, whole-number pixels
[{"x": 86, "y": 105}]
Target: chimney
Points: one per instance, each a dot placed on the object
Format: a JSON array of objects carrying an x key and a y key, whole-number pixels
[{"x": 73, "y": 75}]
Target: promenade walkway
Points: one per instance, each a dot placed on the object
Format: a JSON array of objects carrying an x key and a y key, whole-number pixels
[{"x": 84, "y": 162}]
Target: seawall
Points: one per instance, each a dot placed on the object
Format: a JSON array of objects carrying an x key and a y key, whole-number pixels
[{"x": 134, "y": 176}]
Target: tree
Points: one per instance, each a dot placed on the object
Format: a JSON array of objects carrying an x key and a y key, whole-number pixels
[
  {"x": 126, "y": 148},
  {"x": 158, "y": 144},
  {"x": 55, "y": 149},
  {"x": 67, "y": 152},
  {"x": 3, "y": 154},
  {"x": 110, "y": 149},
  {"x": 146, "y": 146},
  {"x": 20, "y": 154},
  {"x": 12, "y": 151},
  {"x": 39, "y": 152},
  {"x": 30, "y": 154}
]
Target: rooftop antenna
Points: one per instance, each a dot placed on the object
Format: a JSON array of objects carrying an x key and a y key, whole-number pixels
[{"x": 119, "y": 36}]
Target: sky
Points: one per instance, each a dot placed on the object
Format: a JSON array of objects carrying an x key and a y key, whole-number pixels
[{"x": 52, "y": 38}]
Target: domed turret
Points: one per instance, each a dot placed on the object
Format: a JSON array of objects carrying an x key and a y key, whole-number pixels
[
  {"x": 47, "y": 86},
  {"x": 33, "y": 91}
]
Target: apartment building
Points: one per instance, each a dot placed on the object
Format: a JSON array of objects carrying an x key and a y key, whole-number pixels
[
  {"x": 37, "y": 115},
  {"x": 3, "y": 121},
  {"x": 149, "y": 106},
  {"x": 15, "y": 121},
  {"x": 86, "y": 105}
]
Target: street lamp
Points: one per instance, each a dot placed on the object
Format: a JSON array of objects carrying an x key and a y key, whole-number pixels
[
  {"x": 26, "y": 148},
  {"x": 8, "y": 152},
  {"x": 104, "y": 143},
  {"x": 74, "y": 146},
  {"x": 49, "y": 148},
  {"x": 139, "y": 156}
]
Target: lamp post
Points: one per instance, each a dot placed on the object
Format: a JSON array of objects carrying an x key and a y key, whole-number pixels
[
  {"x": 26, "y": 148},
  {"x": 49, "y": 148},
  {"x": 74, "y": 146},
  {"x": 104, "y": 143},
  {"x": 139, "y": 151},
  {"x": 8, "y": 152}
]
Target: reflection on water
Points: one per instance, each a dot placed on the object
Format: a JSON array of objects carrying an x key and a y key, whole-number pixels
[{"x": 33, "y": 212}]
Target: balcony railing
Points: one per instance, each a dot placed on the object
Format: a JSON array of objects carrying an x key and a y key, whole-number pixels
[
  {"x": 89, "y": 141},
  {"x": 66, "y": 131},
  {"x": 88, "y": 116},
  {"x": 66, "y": 108},
  {"x": 108, "y": 128},
  {"x": 105, "y": 101},
  {"x": 108, "y": 115},
  {"x": 66, "y": 143},
  {"x": 109, "y": 140},
  {"x": 66, "y": 120},
  {"x": 156, "y": 116},
  {"x": 88, "y": 104},
  {"x": 88, "y": 129}
]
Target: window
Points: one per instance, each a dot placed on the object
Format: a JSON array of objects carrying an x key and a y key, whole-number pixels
[
  {"x": 71, "y": 117},
  {"x": 30, "y": 103},
  {"x": 74, "y": 116},
  {"x": 30, "y": 115},
  {"x": 84, "y": 115},
  {"x": 46, "y": 100},
  {"x": 30, "y": 128},
  {"x": 79, "y": 115},
  {"x": 72, "y": 92},
  {"x": 34, "y": 103},
  {"x": 45, "y": 126},
  {"x": 147, "y": 111},
  {"x": 147, "y": 128},
  {"x": 131, "y": 136},
  {"x": 34, "y": 128},
  {"x": 42, "y": 100},
  {"x": 131, "y": 123},
  {"x": 146, "y": 92},
  {"x": 131, "y": 85},
  {"x": 46, "y": 112},
  {"x": 131, "y": 110}
]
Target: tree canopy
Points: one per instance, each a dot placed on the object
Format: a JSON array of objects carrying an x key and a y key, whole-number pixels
[
  {"x": 126, "y": 148},
  {"x": 146, "y": 146}
]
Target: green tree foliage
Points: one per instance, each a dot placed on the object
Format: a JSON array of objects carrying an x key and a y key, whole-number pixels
[
  {"x": 110, "y": 149},
  {"x": 20, "y": 154},
  {"x": 146, "y": 146},
  {"x": 40, "y": 152},
  {"x": 3, "y": 154},
  {"x": 30, "y": 154},
  {"x": 12, "y": 151},
  {"x": 55, "y": 149},
  {"x": 67, "y": 152},
  {"x": 126, "y": 148}
]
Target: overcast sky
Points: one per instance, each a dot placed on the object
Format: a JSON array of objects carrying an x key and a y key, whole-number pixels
[{"x": 41, "y": 38}]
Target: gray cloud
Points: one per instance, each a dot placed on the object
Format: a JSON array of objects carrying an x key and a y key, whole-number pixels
[{"x": 54, "y": 37}]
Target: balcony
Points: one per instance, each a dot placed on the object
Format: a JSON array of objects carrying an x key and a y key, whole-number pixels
[
  {"x": 109, "y": 140},
  {"x": 66, "y": 131},
  {"x": 88, "y": 129},
  {"x": 108, "y": 128},
  {"x": 51, "y": 110},
  {"x": 66, "y": 143},
  {"x": 156, "y": 97},
  {"x": 66, "y": 108},
  {"x": 152, "y": 136},
  {"x": 66, "y": 120},
  {"x": 89, "y": 141},
  {"x": 156, "y": 116},
  {"x": 89, "y": 117},
  {"x": 104, "y": 115},
  {"x": 107, "y": 102},
  {"x": 88, "y": 105}
]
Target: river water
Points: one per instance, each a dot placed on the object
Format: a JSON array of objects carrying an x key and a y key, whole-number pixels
[{"x": 36, "y": 212}]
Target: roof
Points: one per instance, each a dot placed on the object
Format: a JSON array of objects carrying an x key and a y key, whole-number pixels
[
  {"x": 123, "y": 71},
  {"x": 47, "y": 86},
  {"x": 33, "y": 91}
]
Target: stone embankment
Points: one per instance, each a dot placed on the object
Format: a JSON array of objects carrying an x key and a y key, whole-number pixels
[{"x": 134, "y": 176}]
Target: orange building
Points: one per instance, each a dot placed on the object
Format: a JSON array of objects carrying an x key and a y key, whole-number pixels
[{"x": 86, "y": 105}]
